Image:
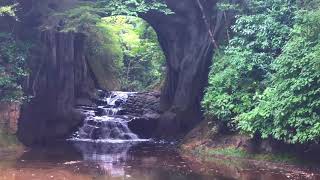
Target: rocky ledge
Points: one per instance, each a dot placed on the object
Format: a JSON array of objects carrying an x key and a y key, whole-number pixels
[
  {"x": 141, "y": 110},
  {"x": 145, "y": 107}
]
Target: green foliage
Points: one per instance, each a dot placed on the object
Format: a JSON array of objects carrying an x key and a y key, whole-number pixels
[
  {"x": 289, "y": 108},
  {"x": 214, "y": 153},
  {"x": 240, "y": 72},
  {"x": 103, "y": 49},
  {"x": 266, "y": 81},
  {"x": 142, "y": 55},
  {"x": 8, "y": 10},
  {"x": 8, "y": 141},
  {"x": 132, "y": 7},
  {"x": 13, "y": 54},
  {"x": 224, "y": 6},
  {"x": 127, "y": 46}
]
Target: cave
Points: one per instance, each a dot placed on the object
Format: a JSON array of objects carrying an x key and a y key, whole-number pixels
[{"x": 188, "y": 38}]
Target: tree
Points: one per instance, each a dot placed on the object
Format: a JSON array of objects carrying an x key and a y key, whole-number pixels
[
  {"x": 142, "y": 56},
  {"x": 265, "y": 82},
  {"x": 241, "y": 70},
  {"x": 126, "y": 45},
  {"x": 8, "y": 10},
  {"x": 288, "y": 109},
  {"x": 13, "y": 54}
]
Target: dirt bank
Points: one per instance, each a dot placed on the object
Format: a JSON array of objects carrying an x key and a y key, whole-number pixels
[{"x": 241, "y": 157}]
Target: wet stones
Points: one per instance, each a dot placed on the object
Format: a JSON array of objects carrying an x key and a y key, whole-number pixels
[
  {"x": 144, "y": 128},
  {"x": 121, "y": 116},
  {"x": 106, "y": 121},
  {"x": 100, "y": 112},
  {"x": 146, "y": 109},
  {"x": 96, "y": 133},
  {"x": 140, "y": 104}
]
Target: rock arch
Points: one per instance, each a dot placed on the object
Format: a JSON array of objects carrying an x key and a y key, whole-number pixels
[{"x": 188, "y": 38}]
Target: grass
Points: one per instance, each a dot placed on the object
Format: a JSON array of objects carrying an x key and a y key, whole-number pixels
[
  {"x": 279, "y": 158},
  {"x": 208, "y": 153},
  {"x": 232, "y": 152},
  {"x": 8, "y": 141}
]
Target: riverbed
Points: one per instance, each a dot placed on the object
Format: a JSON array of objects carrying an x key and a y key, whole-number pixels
[{"x": 137, "y": 161}]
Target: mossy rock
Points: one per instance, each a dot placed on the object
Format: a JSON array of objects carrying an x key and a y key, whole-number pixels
[{"x": 104, "y": 75}]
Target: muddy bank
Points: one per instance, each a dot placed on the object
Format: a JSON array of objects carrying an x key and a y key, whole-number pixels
[
  {"x": 238, "y": 156},
  {"x": 214, "y": 136},
  {"x": 245, "y": 169}
]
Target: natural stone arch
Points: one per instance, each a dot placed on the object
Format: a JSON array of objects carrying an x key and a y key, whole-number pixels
[{"x": 188, "y": 38}]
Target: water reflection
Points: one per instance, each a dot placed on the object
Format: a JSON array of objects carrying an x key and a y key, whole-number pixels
[
  {"x": 110, "y": 157},
  {"x": 105, "y": 161}
]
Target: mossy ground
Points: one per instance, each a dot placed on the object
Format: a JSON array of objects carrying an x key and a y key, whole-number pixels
[
  {"x": 8, "y": 141},
  {"x": 207, "y": 153}
]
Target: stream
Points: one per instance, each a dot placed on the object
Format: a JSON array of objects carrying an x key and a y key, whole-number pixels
[
  {"x": 104, "y": 148},
  {"x": 146, "y": 161},
  {"x": 106, "y": 123}
]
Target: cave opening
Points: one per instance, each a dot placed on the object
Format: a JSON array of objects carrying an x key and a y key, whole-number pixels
[
  {"x": 129, "y": 50},
  {"x": 121, "y": 53}
]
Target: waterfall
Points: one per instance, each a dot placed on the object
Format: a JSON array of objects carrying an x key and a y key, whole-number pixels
[{"x": 106, "y": 123}]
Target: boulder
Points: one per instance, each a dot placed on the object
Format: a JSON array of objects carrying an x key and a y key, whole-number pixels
[
  {"x": 144, "y": 108},
  {"x": 143, "y": 127},
  {"x": 151, "y": 116},
  {"x": 142, "y": 103}
]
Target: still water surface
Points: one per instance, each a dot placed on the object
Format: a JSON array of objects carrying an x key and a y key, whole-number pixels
[{"x": 124, "y": 161}]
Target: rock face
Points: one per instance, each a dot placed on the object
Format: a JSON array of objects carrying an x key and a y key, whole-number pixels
[
  {"x": 59, "y": 76},
  {"x": 143, "y": 104},
  {"x": 188, "y": 39},
  {"x": 9, "y": 115},
  {"x": 146, "y": 109}
]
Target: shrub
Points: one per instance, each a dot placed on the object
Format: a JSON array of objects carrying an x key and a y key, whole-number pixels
[
  {"x": 289, "y": 108},
  {"x": 241, "y": 71}
]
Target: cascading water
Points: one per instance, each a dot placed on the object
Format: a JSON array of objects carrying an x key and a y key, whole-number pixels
[{"x": 106, "y": 122}]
